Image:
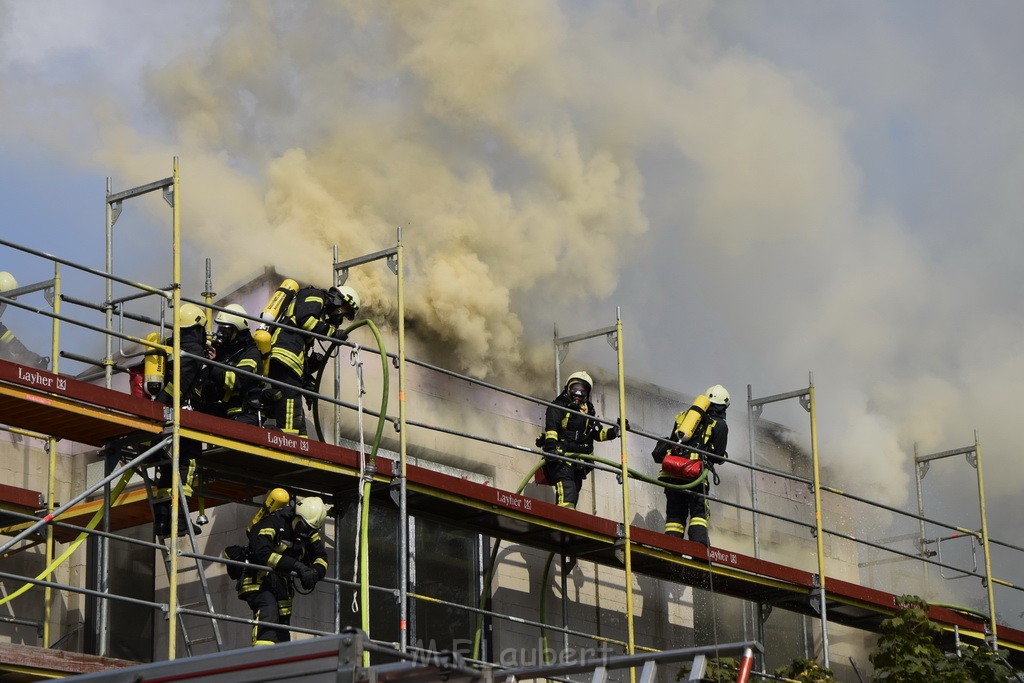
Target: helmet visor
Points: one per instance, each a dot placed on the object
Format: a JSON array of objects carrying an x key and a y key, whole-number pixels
[
  {"x": 578, "y": 391},
  {"x": 338, "y": 315},
  {"x": 224, "y": 335}
]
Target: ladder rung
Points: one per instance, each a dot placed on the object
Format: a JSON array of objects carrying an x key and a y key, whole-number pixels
[
  {"x": 202, "y": 641},
  {"x": 182, "y": 566}
]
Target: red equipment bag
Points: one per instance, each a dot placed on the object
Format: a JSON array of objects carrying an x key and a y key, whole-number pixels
[
  {"x": 135, "y": 381},
  {"x": 679, "y": 467},
  {"x": 540, "y": 477}
]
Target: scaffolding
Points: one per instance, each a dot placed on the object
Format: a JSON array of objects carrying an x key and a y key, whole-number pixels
[{"x": 238, "y": 461}]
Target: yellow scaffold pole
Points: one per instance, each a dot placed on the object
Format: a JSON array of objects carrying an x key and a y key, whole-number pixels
[
  {"x": 51, "y": 452},
  {"x": 172, "y": 594},
  {"x": 818, "y": 531},
  {"x": 624, "y": 457}
]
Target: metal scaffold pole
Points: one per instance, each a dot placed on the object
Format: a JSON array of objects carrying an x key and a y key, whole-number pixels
[
  {"x": 973, "y": 455},
  {"x": 561, "y": 346},
  {"x": 403, "y": 512},
  {"x": 993, "y": 636},
  {"x": 393, "y": 258},
  {"x": 114, "y": 205},
  {"x": 755, "y": 407}
]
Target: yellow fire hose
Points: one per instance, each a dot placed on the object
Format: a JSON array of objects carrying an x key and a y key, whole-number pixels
[{"x": 60, "y": 559}]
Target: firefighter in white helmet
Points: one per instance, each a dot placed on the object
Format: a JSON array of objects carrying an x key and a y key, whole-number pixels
[
  {"x": 227, "y": 393},
  {"x": 11, "y": 347},
  {"x": 566, "y": 433},
  {"x": 192, "y": 321},
  {"x": 290, "y": 542},
  {"x": 312, "y": 309},
  {"x": 711, "y": 435}
]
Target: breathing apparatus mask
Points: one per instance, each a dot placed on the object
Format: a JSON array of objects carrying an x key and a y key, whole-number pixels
[
  {"x": 224, "y": 337},
  {"x": 341, "y": 302},
  {"x": 301, "y": 528},
  {"x": 338, "y": 315},
  {"x": 578, "y": 391}
]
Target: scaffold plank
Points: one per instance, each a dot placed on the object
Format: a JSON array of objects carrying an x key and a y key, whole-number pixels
[{"x": 39, "y": 662}]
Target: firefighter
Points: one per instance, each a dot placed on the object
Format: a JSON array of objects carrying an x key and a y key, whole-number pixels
[
  {"x": 11, "y": 347},
  {"x": 226, "y": 393},
  {"x": 566, "y": 433},
  {"x": 289, "y": 542},
  {"x": 192, "y": 321},
  {"x": 292, "y": 359},
  {"x": 710, "y": 435}
]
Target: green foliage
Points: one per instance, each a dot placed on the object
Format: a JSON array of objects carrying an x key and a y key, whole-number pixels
[
  {"x": 721, "y": 670},
  {"x": 908, "y": 652},
  {"x": 983, "y": 665},
  {"x": 806, "y": 671}
]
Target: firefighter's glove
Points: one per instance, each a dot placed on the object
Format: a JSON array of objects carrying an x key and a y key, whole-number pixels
[
  {"x": 618, "y": 421},
  {"x": 307, "y": 576},
  {"x": 552, "y": 447},
  {"x": 340, "y": 335}
]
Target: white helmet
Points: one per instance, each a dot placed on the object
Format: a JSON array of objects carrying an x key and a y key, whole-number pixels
[
  {"x": 7, "y": 282},
  {"x": 350, "y": 297},
  {"x": 344, "y": 297},
  {"x": 190, "y": 315},
  {"x": 718, "y": 395},
  {"x": 312, "y": 511},
  {"x": 578, "y": 377},
  {"x": 233, "y": 319}
]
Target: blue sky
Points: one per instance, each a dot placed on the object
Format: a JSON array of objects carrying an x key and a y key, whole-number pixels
[{"x": 764, "y": 189}]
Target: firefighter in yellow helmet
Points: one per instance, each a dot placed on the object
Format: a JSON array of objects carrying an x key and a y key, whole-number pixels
[
  {"x": 11, "y": 347},
  {"x": 567, "y": 432},
  {"x": 292, "y": 359},
  {"x": 710, "y": 435},
  {"x": 227, "y": 393},
  {"x": 192, "y": 321},
  {"x": 289, "y": 541}
]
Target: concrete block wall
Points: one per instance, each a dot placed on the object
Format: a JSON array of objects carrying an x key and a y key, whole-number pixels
[{"x": 24, "y": 462}]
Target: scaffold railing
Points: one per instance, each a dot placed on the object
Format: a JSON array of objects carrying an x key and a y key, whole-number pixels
[{"x": 127, "y": 313}]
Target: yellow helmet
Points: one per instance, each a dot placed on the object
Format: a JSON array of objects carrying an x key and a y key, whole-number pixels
[
  {"x": 7, "y": 282},
  {"x": 190, "y": 315}
]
